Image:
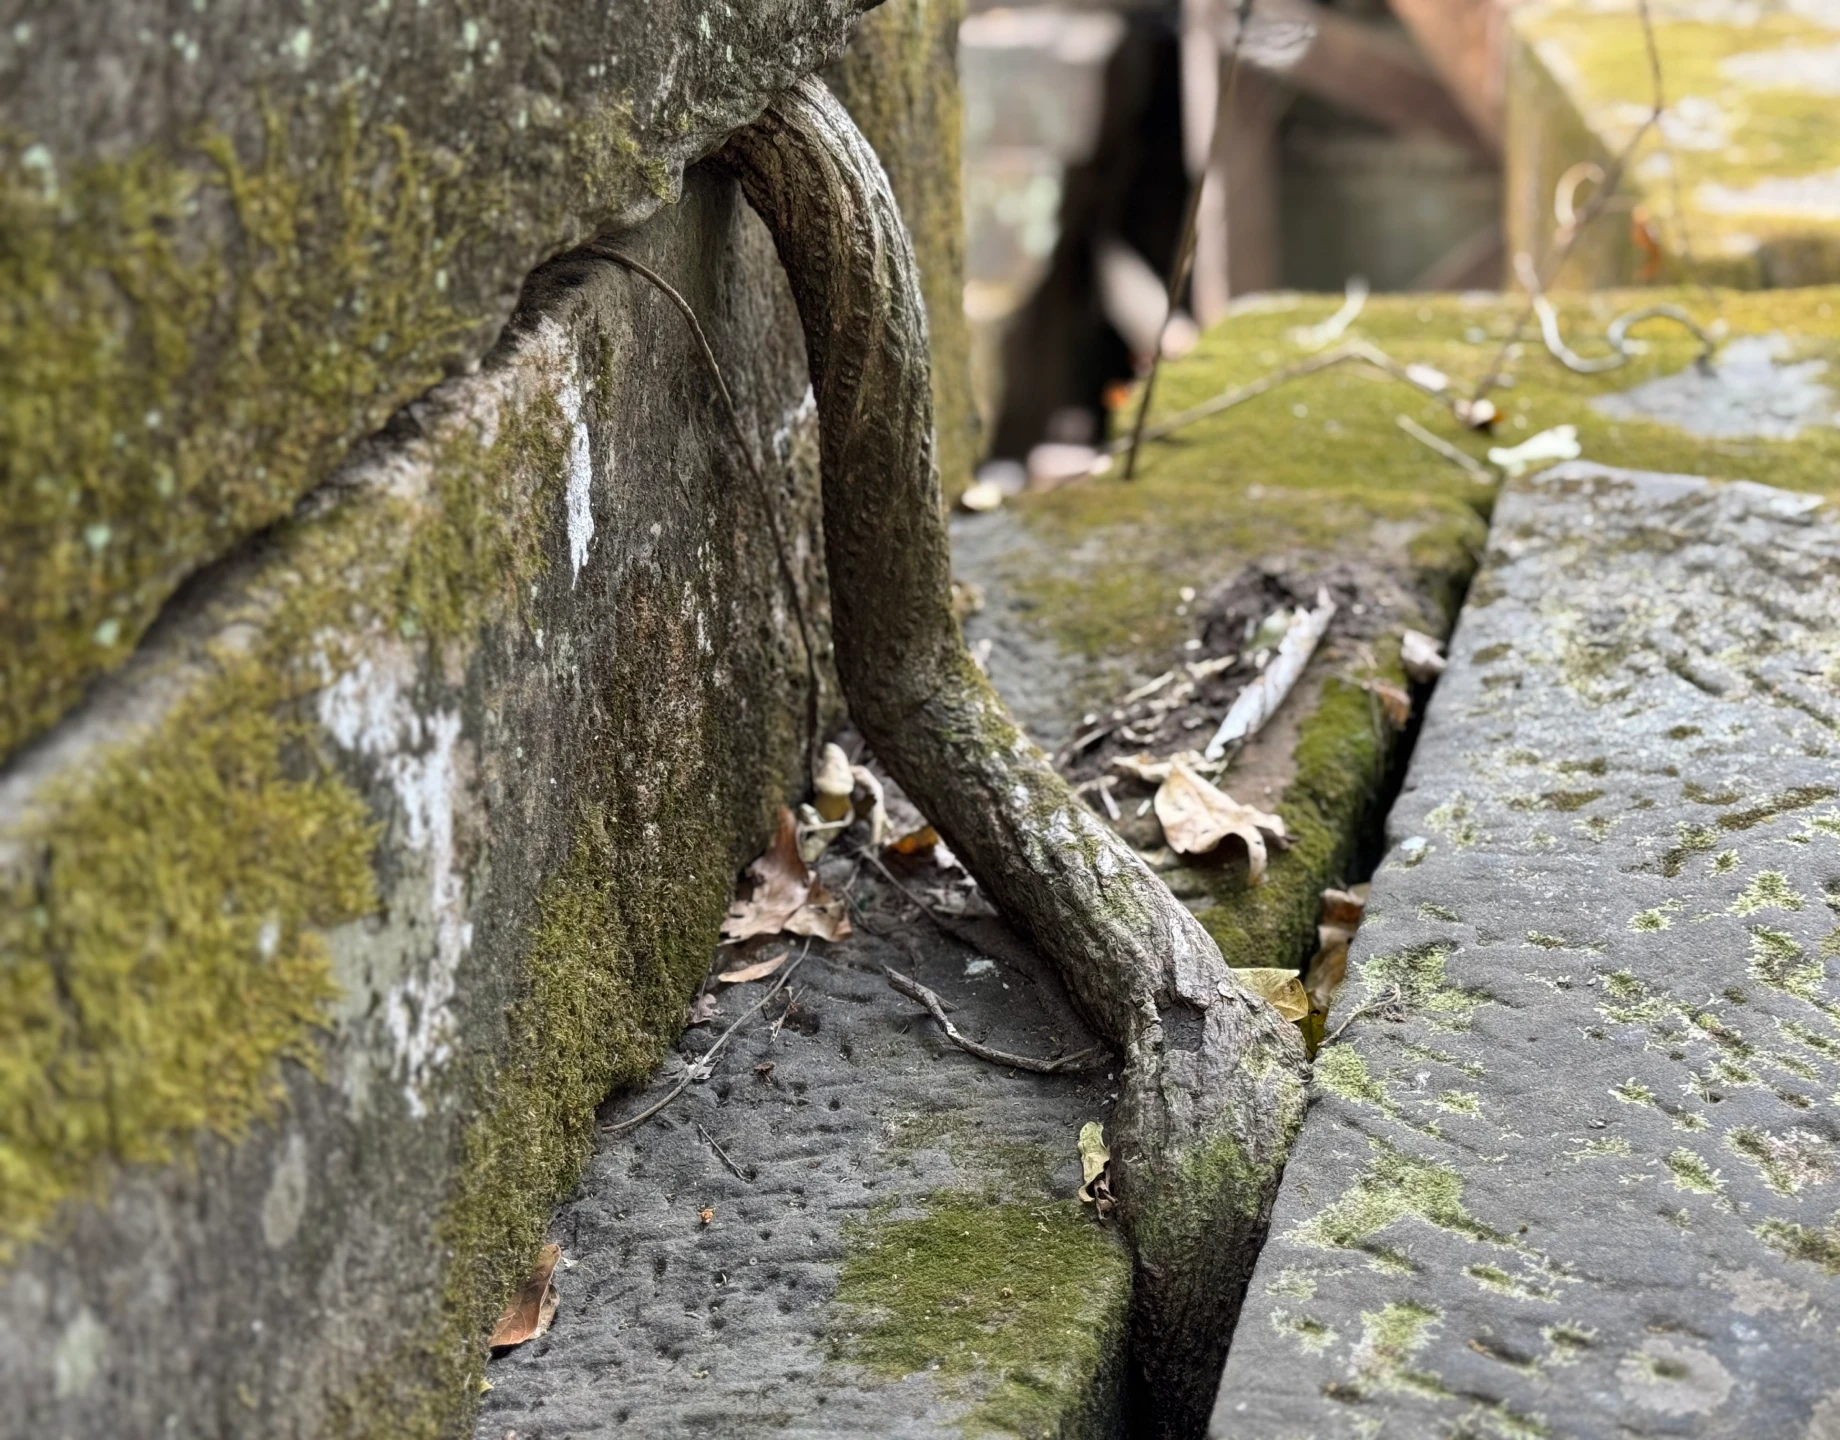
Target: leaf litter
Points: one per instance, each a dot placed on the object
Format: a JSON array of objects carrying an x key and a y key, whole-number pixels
[
  {"x": 787, "y": 897},
  {"x": 1196, "y": 817},
  {"x": 533, "y": 1308}
]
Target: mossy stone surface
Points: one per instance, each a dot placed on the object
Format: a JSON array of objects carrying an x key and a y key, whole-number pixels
[
  {"x": 893, "y": 1243},
  {"x": 234, "y": 240},
  {"x": 899, "y": 80},
  {"x": 1566, "y": 1173},
  {"x": 402, "y": 840},
  {"x": 1739, "y": 183}
]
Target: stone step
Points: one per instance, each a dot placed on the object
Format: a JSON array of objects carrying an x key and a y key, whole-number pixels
[{"x": 1570, "y": 1169}]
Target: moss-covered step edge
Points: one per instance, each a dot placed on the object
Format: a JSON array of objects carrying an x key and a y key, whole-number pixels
[
  {"x": 1738, "y": 186},
  {"x": 1317, "y": 474},
  {"x": 330, "y": 921},
  {"x": 899, "y": 81},
  {"x": 302, "y": 222}
]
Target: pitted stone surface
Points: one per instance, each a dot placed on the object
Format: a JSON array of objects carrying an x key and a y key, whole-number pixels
[
  {"x": 855, "y": 1127},
  {"x": 1571, "y": 1168}
]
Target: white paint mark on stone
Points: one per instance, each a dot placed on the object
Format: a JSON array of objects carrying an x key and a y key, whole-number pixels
[
  {"x": 369, "y": 709},
  {"x": 77, "y": 1359},
  {"x": 580, "y": 493},
  {"x": 286, "y": 1200}
]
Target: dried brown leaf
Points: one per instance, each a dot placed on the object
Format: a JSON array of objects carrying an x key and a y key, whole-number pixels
[
  {"x": 1396, "y": 703},
  {"x": 759, "y": 970},
  {"x": 1095, "y": 1166},
  {"x": 530, "y": 1313},
  {"x": 1196, "y": 817},
  {"x": 787, "y": 898},
  {"x": 1279, "y": 986},
  {"x": 1343, "y": 908}
]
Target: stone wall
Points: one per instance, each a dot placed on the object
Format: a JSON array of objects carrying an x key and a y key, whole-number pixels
[
  {"x": 375, "y": 759},
  {"x": 239, "y": 240},
  {"x": 403, "y": 838},
  {"x": 900, "y": 83}
]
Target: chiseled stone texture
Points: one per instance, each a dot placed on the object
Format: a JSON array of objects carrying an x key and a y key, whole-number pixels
[
  {"x": 240, "y": 235},
  {"x": 401, "y": 840},
  {"x": 897, "y": 1250},
  {"x": 1574, "y": 1173}
]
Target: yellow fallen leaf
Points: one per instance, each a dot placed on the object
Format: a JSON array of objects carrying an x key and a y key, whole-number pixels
[
  {"x": 757, "y": 971},
  {"x": 1279, "y": 986},
  {"x": 530, "y": 1313},
  {"x": 1196, "y": 817},
  {"x": 1096, "y": 1189},
  {"x": 833, "y": 783}
]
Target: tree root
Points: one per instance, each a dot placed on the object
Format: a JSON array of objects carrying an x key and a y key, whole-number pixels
[{"x": 1212, "y": 1088}]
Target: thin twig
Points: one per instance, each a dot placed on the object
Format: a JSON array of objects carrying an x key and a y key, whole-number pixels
[
  {"x": 1568, "y": 235},
  {"x": 620, "y": 257},
  {"x": 956, "y": 931},
  {"x": 701, "y": 1066},
  {"x": 1477, "y": 470},
  {"x": 1191, "y": 218},
  {"x": 792, "y": 1001},
  {"x": 1385, "y": 1000},
  {"x": 720, "y": 1152},
  {"x": 914, "y": 990}
]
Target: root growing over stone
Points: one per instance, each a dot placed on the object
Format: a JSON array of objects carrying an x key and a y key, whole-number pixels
[{"x": 1212, "y": 1087}]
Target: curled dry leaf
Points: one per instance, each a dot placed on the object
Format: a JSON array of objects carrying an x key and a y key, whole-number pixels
[
  {"x": 915, "y": 843},
  {"x": 530, "y": 1313},
  {"x": 1095, "y": 1166},
  {"x": 832, "y": 783},
  {"x": 1393, "y": 700},
  {"x": 757, "y": 971},
  {"x": 787, "y": 898},
  {"x": 1278, "y": 986},
  {"x": 1422, "y": 656},
  {"x": 870, "y": 802},
  {"x": 1196, "y": 817},
  {"x": 1343, "y": 908},
  {"x": 706, "y": 1214},
  {"x": 1151, "y": 770},
  {"x": 702, "y": 1009}
]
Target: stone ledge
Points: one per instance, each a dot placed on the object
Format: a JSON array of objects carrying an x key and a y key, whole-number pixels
[
  {"x": 401, "y": 840},
  {"x": 1570, "y": 1178},
  {"x": 242, "y": 239},
  {"x": 1741, "y": 184}
]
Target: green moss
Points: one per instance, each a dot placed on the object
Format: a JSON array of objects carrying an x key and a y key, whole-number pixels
[
  {"x": 163, "y": 400},
  {"x": 1392, "y": 1187},
  {"x": 899, "y": 81},
  {"x": 1798, "y": 1242},
  {"x": 1778, "y": 960},
  {"x": 1416, "y": 976},
  {"x": 1692, "y": 840},
  {"x": 1690, "y": 1172},
  {"x": 1769, "y": 889},
  {"x": 1390, "y": 1338},
  {"x": 159, "y": 964},
  {"x": 1017, "y": 1309},
  {"x": 1342, "y": 1070},
  {"x": 1762, "y": 132},
  {"x": 1341, "y": 761}
]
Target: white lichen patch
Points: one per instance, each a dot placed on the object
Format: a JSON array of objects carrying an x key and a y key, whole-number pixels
[{"x": 1674, "y": 1377}]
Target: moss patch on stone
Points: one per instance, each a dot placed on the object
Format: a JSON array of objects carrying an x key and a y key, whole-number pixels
[
  {"x": 1732, "y": 126},
  {"x": 1018, "y": 1307}
]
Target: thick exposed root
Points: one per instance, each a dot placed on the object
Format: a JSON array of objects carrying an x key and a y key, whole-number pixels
[{"x": 1212, "y": 1087}]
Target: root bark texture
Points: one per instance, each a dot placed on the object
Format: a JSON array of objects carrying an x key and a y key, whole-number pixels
[{"x": 1212, "y": 1087}]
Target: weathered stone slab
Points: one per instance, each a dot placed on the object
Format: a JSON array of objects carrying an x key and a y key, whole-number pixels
[
  {"x": 403, "y": 839},
  {"x": 239, "y": 236},
  {"x": 1739, "y": 184},
  {"x": 896, "y": 1249},
  {"x": 1571, "y": 1170}
]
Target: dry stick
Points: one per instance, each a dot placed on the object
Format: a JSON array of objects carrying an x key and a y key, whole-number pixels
[
  {"x": 1450, "y": 452},
  {"x": 720, "y": 1152},
  {"x": 914, "y": 990},
  {"x": 1570, "y": 232},
  {"x": 700, "y": 1068},
  {"x": 620, "y": 257},
  {"x": 1191, "y": 218}
]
